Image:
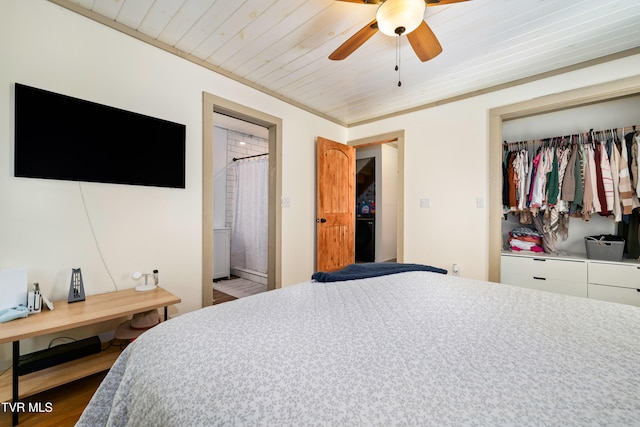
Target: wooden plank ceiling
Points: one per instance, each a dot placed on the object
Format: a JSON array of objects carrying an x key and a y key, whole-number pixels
[{"x": 281, "y": 46}]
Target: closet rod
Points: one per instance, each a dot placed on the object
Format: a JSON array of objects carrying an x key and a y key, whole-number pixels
[
  {"x": 591, "y": 131},
  {"x": 235, "y": 159}
]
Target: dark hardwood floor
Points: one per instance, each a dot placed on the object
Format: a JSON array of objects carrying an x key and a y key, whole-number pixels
[
  {"x": 65, "y": 403},
  {"x": 220, "y": 297},
  {"x": 68, "y": 401}
]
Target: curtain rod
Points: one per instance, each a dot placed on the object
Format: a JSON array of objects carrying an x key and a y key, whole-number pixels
[{"x": 235, "y": 159}]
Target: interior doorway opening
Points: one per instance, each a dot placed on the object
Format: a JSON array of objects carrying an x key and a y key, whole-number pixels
[
  {"x": 380, "y": 234},
  {"x": 219, "y": 113},
  {"x": 366, "y": 181},
  {"x": 240, "y": 201}
]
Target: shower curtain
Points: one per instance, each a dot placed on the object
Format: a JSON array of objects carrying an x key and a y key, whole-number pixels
[{"x": 249, "y": 227}]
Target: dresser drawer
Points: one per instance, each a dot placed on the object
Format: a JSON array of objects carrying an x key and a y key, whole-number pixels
[
  {"x": 564, "y": 287},
  {"x": 514, "y": 268},
  {"x": 622, "y": 275},
  {"x": 568, "y": 277},
  {"x": 615, "y": 294}
]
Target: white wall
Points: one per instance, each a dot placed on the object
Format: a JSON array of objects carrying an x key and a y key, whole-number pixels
[
  {"x": 600, "y": 116},
  {"x": 388, "y": 202},
  {"x": 446, "y": 159},
  {"x": 219, "y": 177},
  {"x": 43, "y": 224}
]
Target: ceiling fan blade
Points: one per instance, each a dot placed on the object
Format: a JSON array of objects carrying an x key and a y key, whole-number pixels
[
  {"x": 424, "y": 43},
  {"x": 355, "y": 41},
  {"x": 365, "y": 1},
  {"x": 435, "y": 2},
  {"x": 428, "y": 2}
]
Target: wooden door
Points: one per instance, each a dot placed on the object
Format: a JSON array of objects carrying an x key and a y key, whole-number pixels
[{"x": 335, "y": 220}]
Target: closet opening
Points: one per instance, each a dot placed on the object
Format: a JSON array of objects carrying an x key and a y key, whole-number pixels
[
  {"x": 549, "y": 115},
  {"x": 548, "y": 150}
]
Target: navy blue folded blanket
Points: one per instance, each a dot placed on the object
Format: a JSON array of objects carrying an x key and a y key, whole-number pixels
[{"x": 371, "y": 269}]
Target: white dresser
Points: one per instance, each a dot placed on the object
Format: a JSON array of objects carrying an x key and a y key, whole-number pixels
[
  {"x": 615, "y": 282},
  {"x": 560, "y": 275},
  {"x": 605, "y": 280}
]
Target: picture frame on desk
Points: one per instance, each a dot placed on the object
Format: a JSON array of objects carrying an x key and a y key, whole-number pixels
[{"x": 13, "y": 287}]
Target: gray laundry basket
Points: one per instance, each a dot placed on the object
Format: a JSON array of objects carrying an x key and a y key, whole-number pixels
[{"x": 606, "y": 247}]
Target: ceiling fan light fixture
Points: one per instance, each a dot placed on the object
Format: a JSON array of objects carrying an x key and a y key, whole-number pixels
[{"x": 393, "y": 15}]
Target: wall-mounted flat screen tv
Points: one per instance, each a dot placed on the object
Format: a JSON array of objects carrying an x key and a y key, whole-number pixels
[{"x": 66, "y": 138}]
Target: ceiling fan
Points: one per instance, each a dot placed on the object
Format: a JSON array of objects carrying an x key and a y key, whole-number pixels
[{"x": 395, "y": 18}]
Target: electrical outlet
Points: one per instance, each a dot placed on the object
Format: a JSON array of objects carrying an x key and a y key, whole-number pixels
[
  {"x": 425, "y": 202},
  {"x": 455, "y": 270}
]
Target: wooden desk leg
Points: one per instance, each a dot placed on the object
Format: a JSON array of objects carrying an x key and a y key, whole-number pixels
[
  {"x": 16, "y": 358},
  {"x": 165, "y": 313}
]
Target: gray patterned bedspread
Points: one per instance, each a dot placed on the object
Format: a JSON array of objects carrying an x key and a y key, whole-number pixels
[{"x": 408, "y": 349}]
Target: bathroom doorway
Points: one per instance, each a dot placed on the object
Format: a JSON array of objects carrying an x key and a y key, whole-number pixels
[
  {"x": 214, "y": 109},
  {"x": 240, "y": 204}
]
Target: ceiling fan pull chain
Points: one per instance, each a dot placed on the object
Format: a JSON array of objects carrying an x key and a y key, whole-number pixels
[
  {"x": 398, "y": 59},
  {"x": 397, "y": 41}
]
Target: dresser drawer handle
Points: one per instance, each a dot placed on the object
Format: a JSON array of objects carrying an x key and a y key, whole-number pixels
[
  {"x": 542, "y": 259},
  {"x": 544, "y": 278}
]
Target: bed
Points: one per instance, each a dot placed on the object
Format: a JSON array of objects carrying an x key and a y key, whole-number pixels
[{"x": 414, "y": 348}]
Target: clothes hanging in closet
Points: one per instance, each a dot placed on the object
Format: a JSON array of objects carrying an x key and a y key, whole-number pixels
[{"x": 597, "y": 173}]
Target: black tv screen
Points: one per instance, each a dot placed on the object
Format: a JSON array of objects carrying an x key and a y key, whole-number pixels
[{"x": 66, "y": 138}]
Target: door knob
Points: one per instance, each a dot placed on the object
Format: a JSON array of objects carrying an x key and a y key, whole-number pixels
[{"x": 323, "y": 220}]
